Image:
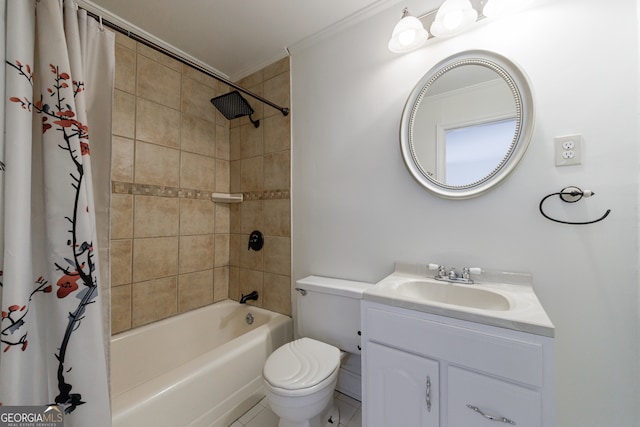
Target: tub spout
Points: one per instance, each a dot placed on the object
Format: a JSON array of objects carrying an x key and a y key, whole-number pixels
[{"x": 252, "y": 296}]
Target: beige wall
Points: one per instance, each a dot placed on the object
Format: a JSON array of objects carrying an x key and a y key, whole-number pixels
[{"x": 170, "y": 245}]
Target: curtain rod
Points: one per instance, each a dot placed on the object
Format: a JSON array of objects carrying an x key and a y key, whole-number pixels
[{"x": 148, "y": 43}]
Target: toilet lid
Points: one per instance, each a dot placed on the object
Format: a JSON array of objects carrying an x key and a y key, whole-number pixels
[{"x": 300, "y": 364}]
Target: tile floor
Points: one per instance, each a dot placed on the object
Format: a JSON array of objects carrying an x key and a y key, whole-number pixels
[{"x": 261, "y": 416}]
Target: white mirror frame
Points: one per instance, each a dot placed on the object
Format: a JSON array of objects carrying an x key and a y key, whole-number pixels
[{"x": 523, "y": 97}]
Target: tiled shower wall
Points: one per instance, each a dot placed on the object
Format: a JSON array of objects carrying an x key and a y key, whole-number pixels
[
  {"x": 171, "y": 247},
  {"x": 260, "y": 169}
]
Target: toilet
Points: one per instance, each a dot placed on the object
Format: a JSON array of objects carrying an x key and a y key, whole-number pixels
[{"x": 300, "y": 377}]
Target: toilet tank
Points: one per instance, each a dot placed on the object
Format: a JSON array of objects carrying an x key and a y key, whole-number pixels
[{"x": 328, "y": 310}]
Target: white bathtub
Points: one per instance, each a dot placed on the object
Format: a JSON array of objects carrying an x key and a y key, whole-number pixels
[{"x": 201, "y": 368}]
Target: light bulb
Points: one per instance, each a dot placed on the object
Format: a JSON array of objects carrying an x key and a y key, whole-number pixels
[
  {"x": 453, "y": 17},
  {"x": 408, "y": 34},
  {"x": 406, "y": 37}
]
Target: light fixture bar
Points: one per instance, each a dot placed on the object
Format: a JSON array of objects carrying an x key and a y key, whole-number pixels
[{"x": 453, "y": 17}]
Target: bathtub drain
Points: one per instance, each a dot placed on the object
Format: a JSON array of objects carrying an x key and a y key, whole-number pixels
[{"x": 249, "y": 318}]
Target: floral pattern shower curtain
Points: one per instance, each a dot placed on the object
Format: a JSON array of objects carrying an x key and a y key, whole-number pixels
[{"x": 52, "y": 332}]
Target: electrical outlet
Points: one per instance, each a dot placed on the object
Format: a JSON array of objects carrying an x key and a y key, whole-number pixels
[{"x": 568, "y": 150}]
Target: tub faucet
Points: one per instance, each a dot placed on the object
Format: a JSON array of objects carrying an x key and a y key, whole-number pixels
[{"x": 252, "y": 296}]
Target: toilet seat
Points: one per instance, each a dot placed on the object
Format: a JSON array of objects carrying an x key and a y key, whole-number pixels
[{"x": 301, "y": 365}]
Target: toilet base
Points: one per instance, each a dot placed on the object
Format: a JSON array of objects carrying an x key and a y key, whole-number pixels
[
  {"x": 333, "y": 418},
  {"x": 328, "y": 418}
]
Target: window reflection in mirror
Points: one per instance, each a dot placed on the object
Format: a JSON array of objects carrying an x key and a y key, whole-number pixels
[
  {"x": 488, "y": 142},
  {"x": 463, "y": 96}
]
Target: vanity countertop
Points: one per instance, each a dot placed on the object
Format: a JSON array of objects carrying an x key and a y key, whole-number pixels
[{"x": 522, "y": 310}]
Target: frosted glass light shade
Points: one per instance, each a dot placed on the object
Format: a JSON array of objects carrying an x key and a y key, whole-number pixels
[
  {"x": 453, "y": 17},
  {"x": 408, "y": 34}
]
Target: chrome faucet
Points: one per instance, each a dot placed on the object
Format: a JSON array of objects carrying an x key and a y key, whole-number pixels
[
  {"x": 452, "y": 275},
  {"x": 442, "y": 271}
]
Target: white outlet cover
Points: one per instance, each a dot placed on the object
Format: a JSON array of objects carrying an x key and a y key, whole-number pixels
[{"x": 568, "y": 150}]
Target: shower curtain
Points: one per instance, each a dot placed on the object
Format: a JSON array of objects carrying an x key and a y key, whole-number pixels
[{"x": 58, "y": 83}]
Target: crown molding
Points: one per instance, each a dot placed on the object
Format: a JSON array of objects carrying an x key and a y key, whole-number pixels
[{"x": 343, "y": 24}]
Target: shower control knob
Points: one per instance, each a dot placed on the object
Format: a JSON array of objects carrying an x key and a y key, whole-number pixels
[{"x": 256, "y": 241}]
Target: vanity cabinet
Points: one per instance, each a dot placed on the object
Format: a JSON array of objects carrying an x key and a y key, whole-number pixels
[
  {"x": 422, "y": 369},
  {"x": 392, "y": 370}
]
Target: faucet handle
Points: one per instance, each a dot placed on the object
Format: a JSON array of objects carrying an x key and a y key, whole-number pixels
[
  {"x": 468, "y": 271},
  {"x": 442, "y": 270}
]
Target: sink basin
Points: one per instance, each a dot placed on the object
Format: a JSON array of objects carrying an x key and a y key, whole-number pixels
[
  {"x": 454, "y": 294},
  {"x": 497, "y": 298}
]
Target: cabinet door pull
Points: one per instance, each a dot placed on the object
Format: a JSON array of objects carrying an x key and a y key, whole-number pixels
[
  {"x": 428, "y": 398},
  {"x": 491, "y": 417}
]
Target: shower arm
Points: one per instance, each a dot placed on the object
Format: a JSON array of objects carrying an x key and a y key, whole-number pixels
[{"x": 152, "y": 45}]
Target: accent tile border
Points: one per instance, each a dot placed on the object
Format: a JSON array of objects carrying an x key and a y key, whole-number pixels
[
  {"x": 266, "y": 195},
  {"x": 118, "y": 187}
]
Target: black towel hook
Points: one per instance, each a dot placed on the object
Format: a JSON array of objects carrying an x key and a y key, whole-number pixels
[{"x": 571, "y": 195}]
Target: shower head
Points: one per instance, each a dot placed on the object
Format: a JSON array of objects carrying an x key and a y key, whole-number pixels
[{"x": 232, "y": 105}]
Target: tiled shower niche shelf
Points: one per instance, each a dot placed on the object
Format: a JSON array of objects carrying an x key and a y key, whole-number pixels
[{"x": 227, "y": 197}]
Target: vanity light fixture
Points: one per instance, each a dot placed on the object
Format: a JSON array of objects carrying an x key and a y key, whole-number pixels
[
  {"x": 450, "y": 19},
  {"x": 453, "y": 17},
  {"x": 408, "y": 34}
]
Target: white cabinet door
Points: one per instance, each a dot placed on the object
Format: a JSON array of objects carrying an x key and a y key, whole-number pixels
[
  {"x": 476, "y": 400},
  {"x": 402, "y": 389}
]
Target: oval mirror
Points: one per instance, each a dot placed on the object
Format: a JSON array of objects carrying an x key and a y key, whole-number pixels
[{"x": 467, "y": 124}]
